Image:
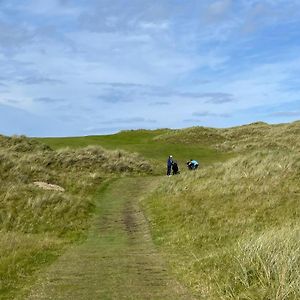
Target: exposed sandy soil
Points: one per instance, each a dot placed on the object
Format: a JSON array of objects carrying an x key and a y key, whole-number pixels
[{"x": 49, "y": 186}]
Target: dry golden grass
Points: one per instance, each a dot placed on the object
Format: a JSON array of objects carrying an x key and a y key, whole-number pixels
[
  {"x": 35, "y": 222},
  {"x": 231, "y": 230},
  {"x": 255, "y": 136},
  {"x": 265, "y": 267}
]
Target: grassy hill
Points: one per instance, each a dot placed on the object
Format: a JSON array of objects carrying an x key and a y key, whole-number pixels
[
  {"x": 257, "y": 136},
  {"x": 231, "y": 230},
  {"x": 148, "y": 144},
  {"x": 38, "y": 221}
]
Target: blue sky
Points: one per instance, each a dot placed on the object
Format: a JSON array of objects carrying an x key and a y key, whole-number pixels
[{"x": 98, "y": 66}]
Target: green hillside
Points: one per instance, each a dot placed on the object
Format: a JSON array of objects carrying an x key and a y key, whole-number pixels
[{"x": 148, "y": 143}]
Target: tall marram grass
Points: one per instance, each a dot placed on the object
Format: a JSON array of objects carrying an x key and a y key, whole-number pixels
[
  {"x": 265, "y": 267},
  {"x": 27, "y": 209},
  {"x": 35, "y": 224},
  {"x": 254, "y": 136},
  {"x": 228, "y": 221},
  {"x": 21, "y": 254}
]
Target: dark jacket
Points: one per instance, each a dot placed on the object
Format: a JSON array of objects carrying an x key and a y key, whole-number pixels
[{"x": 175, "y": 168}]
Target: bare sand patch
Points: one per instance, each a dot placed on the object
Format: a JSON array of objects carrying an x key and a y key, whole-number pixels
[{"x": 48, "y": 186}]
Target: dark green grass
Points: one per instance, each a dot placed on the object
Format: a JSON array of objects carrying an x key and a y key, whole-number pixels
[{"x": 143, "y": 142}]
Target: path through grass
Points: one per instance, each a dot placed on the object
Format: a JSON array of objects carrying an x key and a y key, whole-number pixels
[{"x": 118, "y": 260}]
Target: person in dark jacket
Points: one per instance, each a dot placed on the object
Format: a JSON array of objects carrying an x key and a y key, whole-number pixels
[
  {"x": 175, "y": 168},
  {"x": 169, "y": 165}
]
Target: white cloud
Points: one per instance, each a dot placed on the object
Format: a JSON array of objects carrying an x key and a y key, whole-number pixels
[
  {"x": 48, "y": 7},
  {"x": 157, "y": 59},
  {"x": 218, "y": 10}
]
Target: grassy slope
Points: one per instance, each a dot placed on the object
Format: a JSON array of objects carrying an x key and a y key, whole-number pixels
[
  {"x": 255, "y": 136},
  {"x": 36, "y": 224},
  {"x": 231, "y": 231},
  {"x": 146, "y": 143},
  {"x": 208, "y": 223}
]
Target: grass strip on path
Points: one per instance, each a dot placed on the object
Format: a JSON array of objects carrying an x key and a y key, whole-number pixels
[{"x": 118, "y": 260}]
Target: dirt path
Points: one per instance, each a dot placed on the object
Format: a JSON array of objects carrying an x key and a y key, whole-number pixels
[{"x": 118, "y": 260}]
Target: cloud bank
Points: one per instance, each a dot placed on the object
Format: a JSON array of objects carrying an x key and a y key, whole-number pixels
[{"x": 73, "y": 68}]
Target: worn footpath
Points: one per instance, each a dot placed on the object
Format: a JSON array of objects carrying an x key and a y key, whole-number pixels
[{"x": 118, "y": 260}]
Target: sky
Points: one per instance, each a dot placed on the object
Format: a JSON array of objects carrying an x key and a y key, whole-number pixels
[{"x": 85, "y": 67}]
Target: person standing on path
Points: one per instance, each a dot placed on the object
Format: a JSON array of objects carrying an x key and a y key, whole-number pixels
[{"x": 169, "y": 165}]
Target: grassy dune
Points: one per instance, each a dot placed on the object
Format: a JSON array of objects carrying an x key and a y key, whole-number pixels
[
  {"x": 148, "y": 144},
  {"x": 36, "y": 224},
  {"x": 257, "y": 136},
  {"x": 231, "y": 230}
]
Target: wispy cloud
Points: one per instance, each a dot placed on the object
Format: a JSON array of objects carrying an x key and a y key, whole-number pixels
[
  {"x": 38, "y": 80},
  {"x": 159, "y": 103},
  {"x": 112, "y": 96},
  {"x": 193, "y": 120},
  {"x": 115, "y": 92},
  {"x": 137, "y": 64},
  {"x": 14, "y": 36},
  {"x": 211, "y": 114},
  {"x": 133, "y": 120},
  {"x": 94, "y": 130},
  {"x": 217, "y": 11},
  {"x": 48, "y": 100},
  {"x": 218, "y": 98},
  {"x": 285, "y": 114}
]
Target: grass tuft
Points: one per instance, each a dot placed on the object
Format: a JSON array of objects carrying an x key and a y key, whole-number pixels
[{"x": 266, "y": 267}]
